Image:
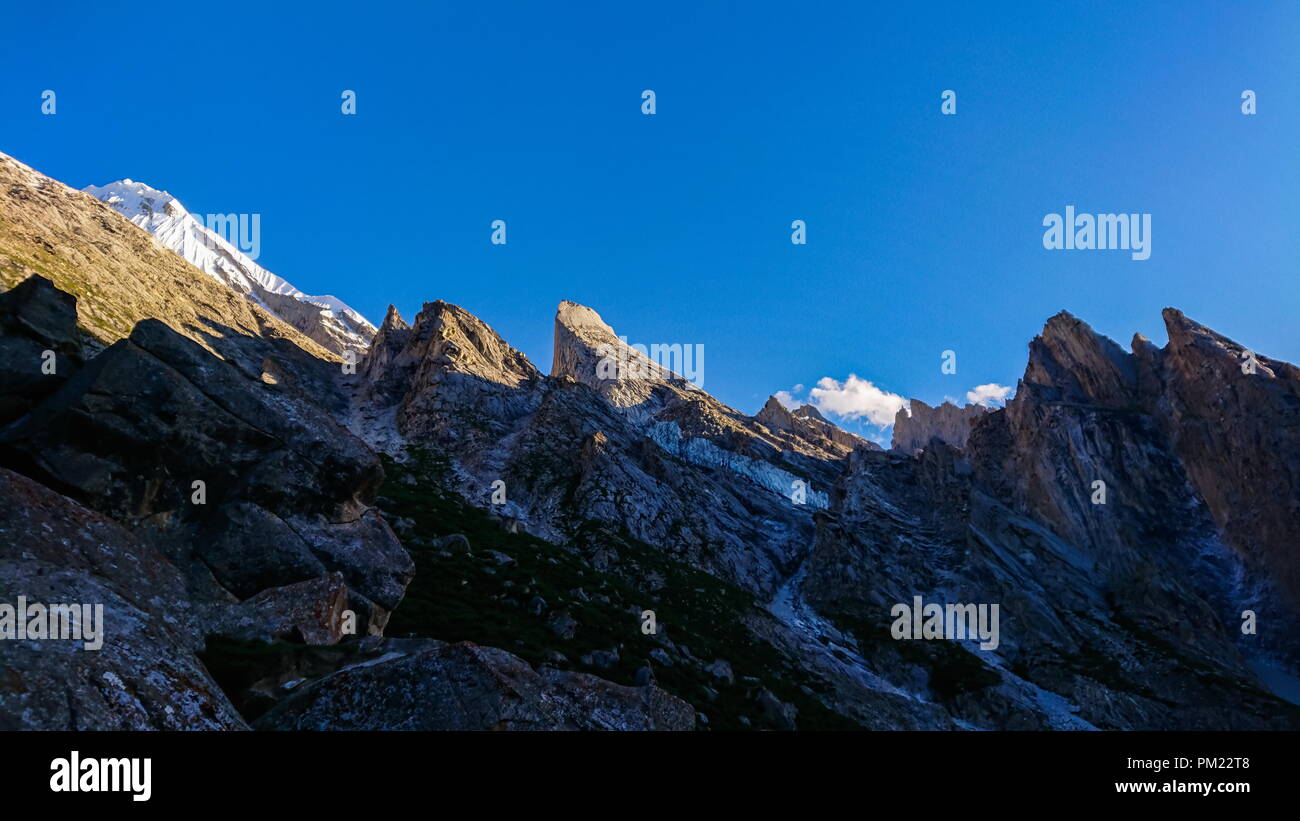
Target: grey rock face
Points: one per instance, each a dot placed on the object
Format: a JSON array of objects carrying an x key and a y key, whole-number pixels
[{"x": 1086, "y": 624}]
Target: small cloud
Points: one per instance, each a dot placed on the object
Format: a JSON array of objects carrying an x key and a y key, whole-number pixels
[
  {"x": 989, "y": 395},
  {"x": 856, "y": 398},
  {"x": 786, "y": 398}
]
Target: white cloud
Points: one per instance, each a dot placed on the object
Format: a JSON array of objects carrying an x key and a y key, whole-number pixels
[
  {"x": 988, "y": 395},
  {"x": 856, "y": 398}
]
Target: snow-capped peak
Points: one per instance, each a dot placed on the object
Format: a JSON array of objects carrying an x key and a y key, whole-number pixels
[
  {"x": 326, "y": 319},
  {"x": 132, "y": 199}
]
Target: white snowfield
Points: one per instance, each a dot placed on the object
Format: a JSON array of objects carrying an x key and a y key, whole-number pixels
[{"x": 329, "y": 321}]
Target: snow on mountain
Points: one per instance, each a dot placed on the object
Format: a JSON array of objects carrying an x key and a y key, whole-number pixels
[{"x": 325, "y": 319}]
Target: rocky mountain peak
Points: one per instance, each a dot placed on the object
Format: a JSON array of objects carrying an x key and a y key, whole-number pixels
[
  {"x": 1069, "y": 361},
  {"x": 809, "y": 412},
  {"x": 810, "y": 428},
  {"x": 577, "y": 316},
  {"x": 587, "y": 350},
  {"x": 447, "y": 367},
  {"x": 393, "y": 320},
  {"x": 454, "y": 339},
  {"x": 1187, "y": 336}
]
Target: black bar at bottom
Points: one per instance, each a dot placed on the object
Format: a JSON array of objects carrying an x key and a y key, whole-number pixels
[{"x": 333, "y": 771}]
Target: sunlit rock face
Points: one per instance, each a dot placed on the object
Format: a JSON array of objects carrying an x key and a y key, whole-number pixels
[{"x": 918, "y": 424}]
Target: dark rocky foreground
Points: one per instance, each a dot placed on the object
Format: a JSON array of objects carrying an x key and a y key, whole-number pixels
[
  {"x": 447, "y": 538},
  {"x": 102, "y": 509}
]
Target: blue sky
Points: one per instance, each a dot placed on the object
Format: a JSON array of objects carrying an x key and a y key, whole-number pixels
[{"x": 924, "y": 230}]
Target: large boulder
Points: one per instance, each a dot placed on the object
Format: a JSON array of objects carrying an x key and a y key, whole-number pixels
[{"x": 146, "y": 674}]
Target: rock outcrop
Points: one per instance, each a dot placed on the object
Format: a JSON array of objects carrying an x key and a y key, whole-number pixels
[
  {"x": 1172, "y": 440},
  {"x": 917, "y": 425},
  {"x": 1089, "y": 447},
  {"x": 1075, "y": 422}
]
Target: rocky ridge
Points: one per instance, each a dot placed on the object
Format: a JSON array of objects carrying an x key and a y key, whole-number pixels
[{"x": 807, "y": 424}]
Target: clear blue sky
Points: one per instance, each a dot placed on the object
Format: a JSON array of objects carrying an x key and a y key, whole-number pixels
[{"x": 924, "y": 230}]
